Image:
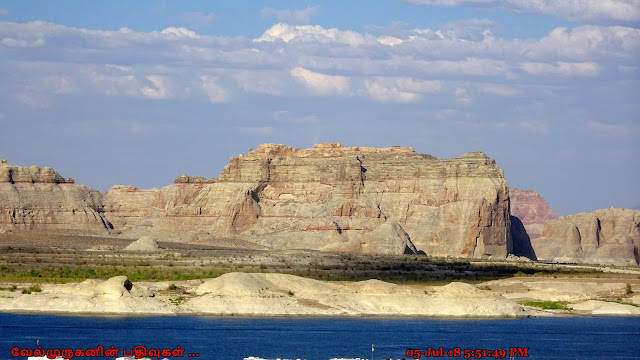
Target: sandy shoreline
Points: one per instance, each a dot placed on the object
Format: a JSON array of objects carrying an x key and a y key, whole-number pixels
[{"x": 276, "y": 295}]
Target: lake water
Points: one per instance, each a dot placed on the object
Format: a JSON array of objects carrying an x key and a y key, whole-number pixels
[{"x": 326, "y": 338}]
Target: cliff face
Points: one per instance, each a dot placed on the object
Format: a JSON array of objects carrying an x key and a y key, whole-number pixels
[
  {"x": 609, "y": 236},
  {"x": 330, "y": 198},
  {"x": 532, "y": 210},
  {"x": 39, "y": 198}
]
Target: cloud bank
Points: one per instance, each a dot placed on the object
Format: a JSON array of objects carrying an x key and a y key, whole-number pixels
[
  {"x": 600, "y": 11},
  {"x": 308, "y": 61}
]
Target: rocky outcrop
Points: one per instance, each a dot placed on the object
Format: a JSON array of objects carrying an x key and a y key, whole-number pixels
[
  {"x": 532, "y": 210},
  {"x": 264, "y": 295},
  {"x": 609, "y": 236},
  {"x": 184, "y": 179},
  {"x": 329, "y": 197},
  {"x": 145, "y": 243},
  {"x": 281, "y": 294},
  {"x": 32, "y": 174},
  {"x": 40, "y": 199}
]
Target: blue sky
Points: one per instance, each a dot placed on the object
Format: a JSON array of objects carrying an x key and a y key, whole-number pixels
[{"x": 140, "y": 92}]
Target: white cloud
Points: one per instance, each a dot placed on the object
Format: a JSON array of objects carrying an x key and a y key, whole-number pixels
[
  {"x": 584, "y": 42},
  {"x": 383, "y": 93},
  {"x": 574, "y": 10},
  {"x": 261, "y": 81},
  {"x": 133, "y": 126},
  {"x": 321, "y": 83},
  {"x": 497, "y": 89},
  {"x": 113, "y": 80},
  {"x": 390, "y": 40},
  {"x": 467, "y": 29},
  {"x": 158, "y": 89},
  {"x": 291, "y": 15},
  {"x": 56, "y": 84},
  {"x": 314, "y": 33},
  {"x": 400, "y": 89},
  {"x": 34, "y": 100},
  {"x": 469, "y": 66},
  {"x": 460, "y": 62},
  {"x": 216, "y": 93},
  {"x": 461, "y": 95},
  {"x": 534, "y": 126},
  {"x": 617, "y": 131},
  {"x": 180, "y": 32},
  {"x": 561, "y": 68},
  {"x": 11, "y": 42}
]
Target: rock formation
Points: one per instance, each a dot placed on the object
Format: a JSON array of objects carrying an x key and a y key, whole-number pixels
[
  {"x": 145, "y": 243},
  {"x": 609, "y": 236},
  {"x": 264, "y": 295},
  {"x": 532, "y": 210},
  {"x": 329, "y": 197},
  {"x": 341, "y": 195},
  {"x": 40, "y": 199},
  {"x": 184, "y": 179}
]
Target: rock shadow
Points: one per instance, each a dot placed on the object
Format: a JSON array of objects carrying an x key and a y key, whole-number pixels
[{"x": 521, "y": 241}]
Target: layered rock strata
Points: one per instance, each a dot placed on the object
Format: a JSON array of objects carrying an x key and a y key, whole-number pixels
[
  {"x": 609, "y": 236},
  {"x": 40, "y": 199},
  {"x": 532, "y": 210},
  {"x": 329, "y": 198},
  {"x": 335, "y": 198}
]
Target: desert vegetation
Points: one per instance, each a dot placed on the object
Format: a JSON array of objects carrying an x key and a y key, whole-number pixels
[{"x": 41, "y": 265}]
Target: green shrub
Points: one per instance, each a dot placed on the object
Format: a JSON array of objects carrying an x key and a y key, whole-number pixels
[
  {"x": 291, "y": 293},
  {"x": 628, "y": 290},
  {"x": 172, "y": 287},
  {"x": 547, "y": 305},
  {"x": 178, "y": 300},
  {"x": 32, "y": 289}
]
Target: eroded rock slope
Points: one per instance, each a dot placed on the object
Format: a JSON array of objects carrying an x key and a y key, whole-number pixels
[{"x": 608, "y": 236}]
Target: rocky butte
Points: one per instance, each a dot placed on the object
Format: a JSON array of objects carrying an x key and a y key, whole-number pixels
[
  {"x": 608, "y": 236},
  {"x": 33, "y": 198},
  {"x": 532, "y": 210},
  {"x": 328, "y": 198}
]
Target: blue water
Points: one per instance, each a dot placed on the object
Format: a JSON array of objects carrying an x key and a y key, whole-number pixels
[{"x": 326, "y": 338}]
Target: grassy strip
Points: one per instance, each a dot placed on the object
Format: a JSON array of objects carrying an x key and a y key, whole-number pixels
[
  {"x": 81, "y": 273},
  {"x": 46, "y": 266},
  {"x": 547, "y": 305}
]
